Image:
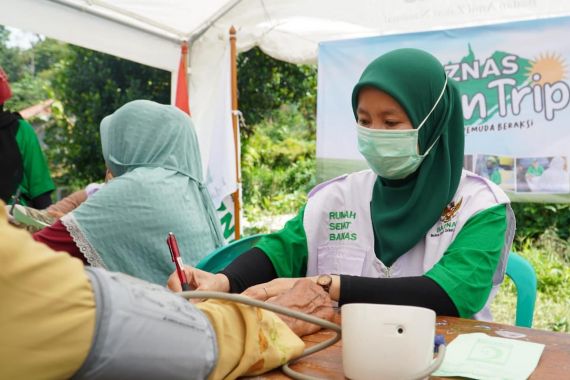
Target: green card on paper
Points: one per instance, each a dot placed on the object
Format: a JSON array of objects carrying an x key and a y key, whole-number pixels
[
  {"x": 22, "y": 217},
  {"x": 479, "y": 356}
]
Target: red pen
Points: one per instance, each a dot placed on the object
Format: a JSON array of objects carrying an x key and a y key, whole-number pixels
[{"x": 175, "y": 254}]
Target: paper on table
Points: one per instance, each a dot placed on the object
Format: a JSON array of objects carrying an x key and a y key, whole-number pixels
[
  {"x": 480, "y": 356},
  {"x": 23, "y": 218}
]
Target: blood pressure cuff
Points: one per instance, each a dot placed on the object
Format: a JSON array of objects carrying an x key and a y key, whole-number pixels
[{"x": 143, "y": 331}]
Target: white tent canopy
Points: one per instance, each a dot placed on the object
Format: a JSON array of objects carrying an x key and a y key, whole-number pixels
[{"x": 150, "y": 31}]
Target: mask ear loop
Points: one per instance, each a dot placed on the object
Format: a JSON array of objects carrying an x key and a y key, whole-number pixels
[
  {"x": 429, "y": 114},
  {"x": 435, "y": 105},
  {"x": 429, "y": 149}
]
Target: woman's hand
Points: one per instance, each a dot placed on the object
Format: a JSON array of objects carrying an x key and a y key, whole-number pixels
[
  {"x": 278, "y": 286},
  {"x": 307, "y": 297},
  {"x": 270, "y": 289},
  {"x": 199, "y": 280}
]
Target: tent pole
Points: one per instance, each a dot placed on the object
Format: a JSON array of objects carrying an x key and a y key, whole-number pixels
[{"x": 235, "y": 120}]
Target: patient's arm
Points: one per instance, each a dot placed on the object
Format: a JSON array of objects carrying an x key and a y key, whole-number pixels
[
  {"x": 306, "y": 297},
  {"x": 252, "y": 341},
  {"x": 47, "y": 317},
  {"x": 49, "y": 320},
  {"x": 68, "y": 204}
]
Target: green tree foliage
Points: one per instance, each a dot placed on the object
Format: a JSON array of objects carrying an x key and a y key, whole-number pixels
[
  {"x": 10, "y": 57},
  {"x": 550, "y": 257},
  {"x": 533, "y": 219},
  {"x": 29, "y": 90},
  {"x": 30, "y": 70},
  {"x": 278, "y": 163},
  {"x": 45, "y": 55},
  {"x": 278, "y": 100},
  {"x": 265, "y": 84},
  {"x": 90, "y": 86}
]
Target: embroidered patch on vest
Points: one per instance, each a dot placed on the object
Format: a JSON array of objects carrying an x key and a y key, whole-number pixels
[
  {"x": 446, "y": 218},
  {"x": 340, "y": 223},
  {"x": 451, "y": 210}
]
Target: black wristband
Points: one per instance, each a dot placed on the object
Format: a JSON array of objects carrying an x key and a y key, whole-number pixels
[
  {"x": 414, "y": 291},
  {"x": 251, "y": 268}
]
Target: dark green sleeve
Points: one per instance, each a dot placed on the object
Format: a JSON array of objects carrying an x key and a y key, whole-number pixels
[
  {"x": 36, "y": 179},
  {"x": 466, "y": 269},
  {"x": 287, "y": 248}
]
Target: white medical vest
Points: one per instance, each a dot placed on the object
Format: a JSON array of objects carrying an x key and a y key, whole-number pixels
[{"x": 340, "y": 238}]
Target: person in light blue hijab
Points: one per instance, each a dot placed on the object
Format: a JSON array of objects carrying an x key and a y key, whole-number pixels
[{"x": 152, "y": 152}]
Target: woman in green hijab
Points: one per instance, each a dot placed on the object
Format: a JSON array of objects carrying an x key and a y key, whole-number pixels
[
  {"x": 416, "y": 229},
  {"x": 152, "y": 152}
]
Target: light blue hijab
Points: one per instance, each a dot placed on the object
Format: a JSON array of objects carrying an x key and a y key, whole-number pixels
[{"x": 152, "y": 151}]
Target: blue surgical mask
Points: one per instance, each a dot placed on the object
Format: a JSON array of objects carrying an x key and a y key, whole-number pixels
[{"x": 393, "y": 154}]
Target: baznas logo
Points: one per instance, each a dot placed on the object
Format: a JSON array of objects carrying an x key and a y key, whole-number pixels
[
  {"x": 451, "y": 210},
  {"x": 506, "y": 83}
]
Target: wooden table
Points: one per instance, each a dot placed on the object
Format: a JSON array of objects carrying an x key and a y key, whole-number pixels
[{"x": 554, "y": 362}]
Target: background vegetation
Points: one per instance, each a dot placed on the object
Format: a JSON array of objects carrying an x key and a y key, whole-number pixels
[
  {"x": 89, "y": 86},
  {"x": 550, "y": 257},
  {"x": 278, "y": 145}
]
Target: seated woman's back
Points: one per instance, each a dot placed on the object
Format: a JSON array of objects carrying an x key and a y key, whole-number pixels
[{"x": 153, "y": 153}]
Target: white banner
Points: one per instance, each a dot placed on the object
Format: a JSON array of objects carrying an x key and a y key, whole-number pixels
[{"x": 514, "y": 80}]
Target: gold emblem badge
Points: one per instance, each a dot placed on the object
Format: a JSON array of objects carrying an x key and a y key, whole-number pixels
[{"x": 451, "y": 210}]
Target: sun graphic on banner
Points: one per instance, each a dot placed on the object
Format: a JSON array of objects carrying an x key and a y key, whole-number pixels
[{"x": 547, "y": 68}]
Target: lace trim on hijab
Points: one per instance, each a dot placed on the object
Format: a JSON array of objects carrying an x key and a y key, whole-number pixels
[{"x": 81, "y": 241}]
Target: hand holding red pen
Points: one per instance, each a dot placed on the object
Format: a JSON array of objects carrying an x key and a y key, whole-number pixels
[
  {"x": 199, "y": 280},
  {"x": 175, "y": 255}
]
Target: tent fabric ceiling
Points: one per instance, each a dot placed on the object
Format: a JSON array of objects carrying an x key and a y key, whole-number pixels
[
  {"x": 182, "y": 16},
  {"x": 291, "y": 30},
  {"x": 286, "y": 29}
]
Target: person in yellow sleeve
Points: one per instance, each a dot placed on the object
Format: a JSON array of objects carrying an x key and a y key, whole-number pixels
[{"x": 60, "y": 320}]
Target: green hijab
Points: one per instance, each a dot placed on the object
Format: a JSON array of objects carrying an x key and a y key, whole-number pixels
[
  {"x": 152, "y": 151},
  {"x": 404, "y": 210}
]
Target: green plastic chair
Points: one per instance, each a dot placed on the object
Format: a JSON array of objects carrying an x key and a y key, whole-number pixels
[
  {"x": 223, "y": 256},
  {"x": 524, "y": 277}
]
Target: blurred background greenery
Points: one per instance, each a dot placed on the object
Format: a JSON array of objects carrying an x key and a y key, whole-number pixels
[{"x": 278, "y": 101}]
